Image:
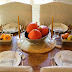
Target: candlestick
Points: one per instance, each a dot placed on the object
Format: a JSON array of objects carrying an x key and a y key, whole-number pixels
[
  {"x": 18, "y": 27},
  {"x": 52, "y": 28}
]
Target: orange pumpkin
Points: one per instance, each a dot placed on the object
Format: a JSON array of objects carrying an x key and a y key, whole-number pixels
[
  {"x": 65, "y": 35},
  {"x": 7, "y": 37},
  {"x": 44, "y": 30},
  {"x": 31, "y": 26},
  {"x": 35, "y": 34},
  {"x": 2, "y": 35}
]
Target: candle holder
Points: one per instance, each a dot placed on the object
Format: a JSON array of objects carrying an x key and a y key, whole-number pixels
[
  {"x": 51, "y": 40},
  {"x": 20, "y": 40}
]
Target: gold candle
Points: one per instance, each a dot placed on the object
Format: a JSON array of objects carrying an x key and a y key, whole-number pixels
[
  {"x": 18, "y": 27},
  {"x": 52, "y": 28}
]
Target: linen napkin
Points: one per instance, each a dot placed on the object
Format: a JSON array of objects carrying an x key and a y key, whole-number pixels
[
  {"x": 66, "y": 57},
  {"x": 7, "y": 58}
]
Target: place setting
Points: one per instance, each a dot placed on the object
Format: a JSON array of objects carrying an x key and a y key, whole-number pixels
[
  {"x": 63, "y": 58},
  {"x": 9, "y": 58}
]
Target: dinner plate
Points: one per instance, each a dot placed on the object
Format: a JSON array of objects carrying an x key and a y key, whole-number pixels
[
  {"x": 57, "y": 58},
  {"x": 8, "y": 56},
  {"x": 59, "y": 27},
  {"x": 11, "y": 27}
]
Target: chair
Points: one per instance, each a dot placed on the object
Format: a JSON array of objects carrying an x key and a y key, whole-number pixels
[
  {"x": 16, "y": 69},
  {"x": 9, "y": 13},
  {"x": 56, "y": 69},
  {"x": 61, "y": 12}
]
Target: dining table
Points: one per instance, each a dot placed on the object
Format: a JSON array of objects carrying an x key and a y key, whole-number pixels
[{"x": 36, "y": 60}]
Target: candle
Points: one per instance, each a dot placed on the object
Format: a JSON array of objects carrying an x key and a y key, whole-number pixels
[
  {"x": 52, "y": 28},
  {"x": 18, "y": 27}
]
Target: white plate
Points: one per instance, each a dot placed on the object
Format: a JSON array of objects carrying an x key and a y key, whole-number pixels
[
  {"x": 11, "y": 28},
  {"x": 10, "y": 55},
  {"x": 57, "y": 57},
  {"x": 59, "y": 27}
]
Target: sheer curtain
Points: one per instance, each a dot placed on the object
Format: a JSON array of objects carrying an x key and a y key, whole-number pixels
[
  {"x": 7, "y": 1},
  {"x": 42, "y": 1}
]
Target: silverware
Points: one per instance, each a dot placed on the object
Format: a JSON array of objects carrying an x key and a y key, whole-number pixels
[
  {"x": 23, "y": 57},
  {"x": 52, "y": 60}
]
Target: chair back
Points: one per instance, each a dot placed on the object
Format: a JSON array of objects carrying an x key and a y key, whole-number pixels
[
  {"x": 56, "y": 69},
  {"x": 9, "y": 13},
  {"x": 61, "y": 12},
  {"x": 16, "y": 69}
]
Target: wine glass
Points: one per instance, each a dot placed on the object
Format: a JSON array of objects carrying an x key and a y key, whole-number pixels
[
  {"x": 57, "y": 31},
  {"x": 51, "y": 39}
]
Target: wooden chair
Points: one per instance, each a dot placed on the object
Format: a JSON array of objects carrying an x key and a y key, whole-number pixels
[
  {"x": 56, "y": 69},
  {"x": 16, "y": 69}
]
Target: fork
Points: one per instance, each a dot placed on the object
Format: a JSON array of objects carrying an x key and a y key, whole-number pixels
[{"x": 52, "y": 59}]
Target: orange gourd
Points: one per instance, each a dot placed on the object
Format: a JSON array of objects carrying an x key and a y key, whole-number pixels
[
  {"x": 35, "y": 34},
  {"x": 7, "y": 37},
  {"x": 2, "y": 36},
  {"x": 65, "y": 35},
  {"x": 31, "y": 26},
  {"x": 44, "y": 30}
]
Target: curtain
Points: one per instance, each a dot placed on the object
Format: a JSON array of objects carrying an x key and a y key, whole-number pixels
[
  {"x": 7, "y": 1},
  {"x": 42, "y": 1}
]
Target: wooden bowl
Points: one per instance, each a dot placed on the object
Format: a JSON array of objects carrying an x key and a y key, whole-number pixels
[{"x": 34, "y": 41}]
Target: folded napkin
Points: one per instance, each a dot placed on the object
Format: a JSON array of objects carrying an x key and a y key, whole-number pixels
[
  {"x": 7, "y": 58},
  {"x": 66, "y": 58},
  {"x": 6, "y": 63}
]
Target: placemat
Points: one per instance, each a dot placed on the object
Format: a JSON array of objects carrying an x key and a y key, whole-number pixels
[{"x": 36, "y": 48}]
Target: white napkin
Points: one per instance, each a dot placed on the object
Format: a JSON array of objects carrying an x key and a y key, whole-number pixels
[
  {"x": 7, "y": 58},
  {"x": 66, "y": 58}
]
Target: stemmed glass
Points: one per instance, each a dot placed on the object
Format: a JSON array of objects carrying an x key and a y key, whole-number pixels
[
  {"x": 51, "y": 39},
  {"x": 57, "y": 31}
]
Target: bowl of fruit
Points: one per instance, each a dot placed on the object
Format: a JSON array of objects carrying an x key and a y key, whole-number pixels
[
  {"x": 66, "y": 37},
  {"x": 35, "y": 33},
  {"x": 6, "y": 39}
]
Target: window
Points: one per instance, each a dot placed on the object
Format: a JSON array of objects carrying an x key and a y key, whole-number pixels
[
  {"x": 7, "y": 1},
  {"x": 42, "y": 1}
]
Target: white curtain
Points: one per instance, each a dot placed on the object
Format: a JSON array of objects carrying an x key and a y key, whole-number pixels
[
  {"x": 7, "y": 1},
  {"x": 42, "y": 1}
]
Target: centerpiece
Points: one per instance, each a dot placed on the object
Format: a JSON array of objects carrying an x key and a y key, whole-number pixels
[{"x": 35, "y": 33}]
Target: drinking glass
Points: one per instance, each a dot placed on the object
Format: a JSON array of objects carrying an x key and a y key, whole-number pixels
[
  {"x": 56, "y": 33},
  {"x": 51, "y": 39}
]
